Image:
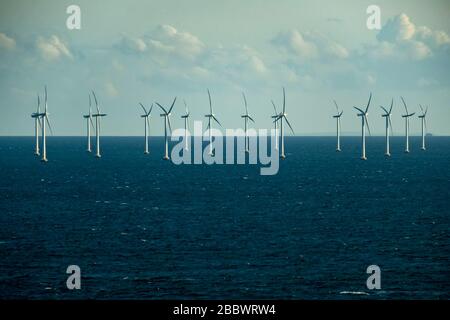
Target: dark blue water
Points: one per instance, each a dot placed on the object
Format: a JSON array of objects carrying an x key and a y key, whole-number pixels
[{"x": 140, "y": 227}]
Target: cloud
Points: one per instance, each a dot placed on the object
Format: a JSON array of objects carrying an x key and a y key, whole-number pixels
[
  {"x": 52, "y": 48},
  {"x": 111, "y": 89},
  {"x": 164, "y": 41},
  {"x": 399, "y": 28},
  {"x": 401, "y": 38},
  {"x": 309, "y": 45},
  {"x": 7, "y": 42}
]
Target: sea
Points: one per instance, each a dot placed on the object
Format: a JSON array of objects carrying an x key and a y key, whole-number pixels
[{"x": 140, "y": 227}]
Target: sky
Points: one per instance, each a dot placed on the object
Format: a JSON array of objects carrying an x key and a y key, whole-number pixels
[{"x": 152, "y": 51}]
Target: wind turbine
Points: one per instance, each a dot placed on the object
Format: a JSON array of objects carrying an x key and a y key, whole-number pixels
[
  {"x": 338, "y": 126},
  {"x": 89, "y": 123},
  {"x": 280, "y": 117},
  {"x": 406, "y": 116},
  {"x": 44, "y": 120},
  {"x": 186, "y": 126},
  {"x": 37, "y": 125},
  {"x": 146, "y": 116},
  {"x": 275, "y": 124},
  {"x": 211, "y": 116},
  {"x": 97, "y": 117},
  {"x": 246, "y": 117},
  {"x": 423, "y": 119},
  {"x": 166, "y": 115},
  {"x": 387, "y": 115},
  {"x": 364, "y": 121}
]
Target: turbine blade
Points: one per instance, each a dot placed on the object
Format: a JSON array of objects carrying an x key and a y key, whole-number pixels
[
  {"x": 335, "y": 104},
  {"x": 421, "y": 109},
  {"x": 92, "y": 123},
  {"x": 164, "y": 110},
  {"x": 367, "y": 122},
  {"x": 173, "y": 103},
  {"x": 186, "y": 107},
  {"x": 287, "y": 121},
  {"x": 384, "y": 109},
  {"x": 404, "y": 103},
  {"x": 340, "y": 114},
  {"x": 426, "y": 110},
  {"x": 215, "y": 119},
  {"x": 150, "y": 111},
  {"x": 392, "y": 104},
  {"x": 45, "y": 107},
  {"x": 143, "y": 108},
  {"x": 245, "y": 103},
  {"x": 359, "y": 109},
  {"x": 390, "y": 125},
  {"x": 210, "y": 104},
  {"x": 284, "y": 101},
  {"x": 368, "y": 102},
  {"x": 39, "y": 105},
  {"x": 168, "y": 122},
  {"x": 251, "y": 119},
  {"x": 274, "y": 108},
  {"x": 96, "y": 102},
  {"x": 48, "y": 123}
]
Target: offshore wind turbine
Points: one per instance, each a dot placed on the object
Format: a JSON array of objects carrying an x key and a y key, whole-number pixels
[
  {"x": 44, "y": 121},
  {"x": 364, "y": 121},
  {"x": 276, "y": 114},
  {"x": 37, "y": 125},
  {"x": 97, "y": 117},
  {"x": 211, "y": 116},
  {"x": 406, "y": 116},
  {"x": 89, "y": 123},
  {"x": 166, "y": 114},
  {"x": 186, "y": 126},
  {"x": 338, "y": 126},
  {"x": 246, "y": 117},
  {"x": 423, "y": 119},
  {"x": 283, "y": 116},
  {"x": 387, "y": 115},
  {"x": 146, "y": 117}
]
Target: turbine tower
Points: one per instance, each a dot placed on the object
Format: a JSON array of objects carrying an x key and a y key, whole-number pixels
[
  {"x": 406, "y": 116},
  {"x": 44, "y": 121},
  {"x": 166, "y": 114},
  {"x": 37, "y": 125},
  {"x": 246, "y": 117},
  {"x": 364, "y": 121},
  {"x": 276, "y": 114},
  {"x": 146, "y": 117},
  {"x": 338, "y": 126},
  {"x": 387, "y": 115},
  {"x": 211, "y": 116},
  {"x": 283, "y": 116},
  {"x": 186, "y": 126},
  {"x": 89, "y": 123},
  {"x": 97, "y": 117},
  {"x": 423, "y": 119}
]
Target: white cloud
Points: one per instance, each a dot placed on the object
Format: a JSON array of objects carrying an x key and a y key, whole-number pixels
[
  {"x": 165, "y": 41},
  {"x": 52, "y": 48},
  {"x": 399, "y": 28},
  {"x": 111, "y": 89},
  {"x": 7, "y": 42},
  {"x": 401, "y": 38},
  {"x": 309, "y": 45}
]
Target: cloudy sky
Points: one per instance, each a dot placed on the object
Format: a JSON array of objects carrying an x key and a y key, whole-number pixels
[{"x": 146, "y": 51}]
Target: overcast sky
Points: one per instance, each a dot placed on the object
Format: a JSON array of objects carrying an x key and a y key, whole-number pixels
[{"x": 146, "y": 51}]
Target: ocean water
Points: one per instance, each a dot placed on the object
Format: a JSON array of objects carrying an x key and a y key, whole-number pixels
[{"x": 143, "y": 228}]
